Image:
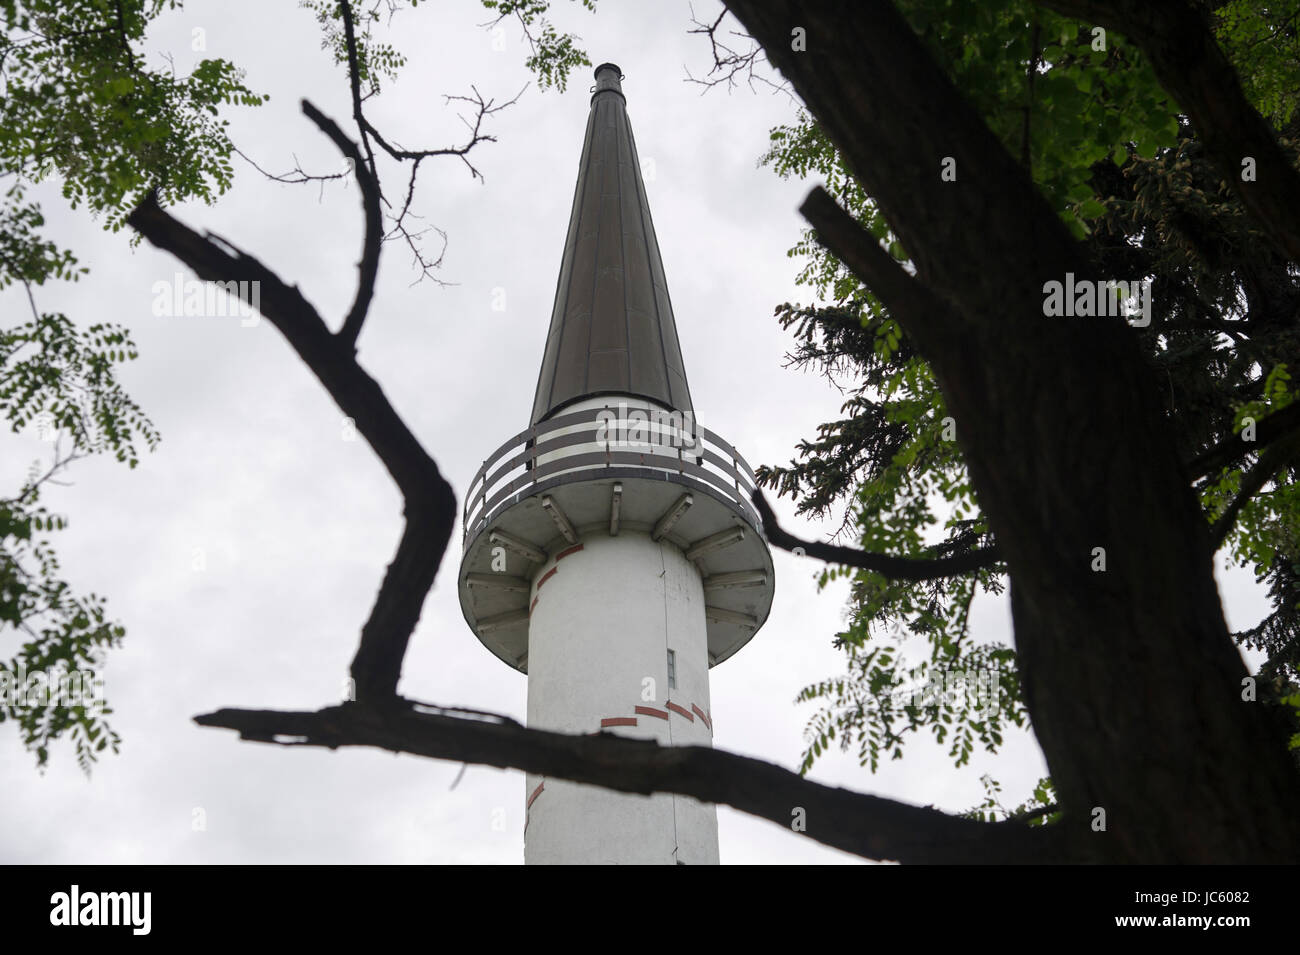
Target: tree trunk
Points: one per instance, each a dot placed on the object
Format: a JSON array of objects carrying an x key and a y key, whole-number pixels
[{"x": 1131, "y": 678}]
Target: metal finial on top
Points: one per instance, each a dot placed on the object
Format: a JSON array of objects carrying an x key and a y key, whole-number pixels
[{"x": 608, "y": 77}]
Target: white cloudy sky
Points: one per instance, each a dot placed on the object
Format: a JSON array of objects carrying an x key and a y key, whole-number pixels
[{"x": 296, "y": 524}]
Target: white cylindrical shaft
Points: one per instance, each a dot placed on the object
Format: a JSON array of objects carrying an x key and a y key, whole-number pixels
[{"x": 605, "y": 620}]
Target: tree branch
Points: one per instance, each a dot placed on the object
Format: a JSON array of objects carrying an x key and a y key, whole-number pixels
[
  {"x": 854, "y": 822},
  {"x": 368, "y": 268},
  {"x": 1272, "y": 460},
  {"x": 375, "y": 232},
  {"x": 1179, "y": 41},
  {"x": 354, "y": 83},
  {"x": 484, "y": 107},
  {"x": 293, "y": 177},
  {"x": 896, "y": 568},
  {"x": 430, "y": 504},
  {"x": 1267, "y": 430},
  {"x": 729, "y": 63},
  {"x": 909, "y": 301}
]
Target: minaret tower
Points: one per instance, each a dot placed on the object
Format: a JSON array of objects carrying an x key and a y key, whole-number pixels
[{"x": 611, "y": 549}]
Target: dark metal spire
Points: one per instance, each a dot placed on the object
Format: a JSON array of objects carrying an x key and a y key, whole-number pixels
[{"x": 612, "y": 328}]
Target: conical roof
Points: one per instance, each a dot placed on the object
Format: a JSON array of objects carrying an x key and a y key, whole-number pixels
[{"x": 612, "y": 328}]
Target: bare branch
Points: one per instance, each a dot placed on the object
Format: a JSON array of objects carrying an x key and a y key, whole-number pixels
[
  {"x": 896, "y": 568},
  {"x": 483, "y": 109},
  {"x": 855, "y": 822},
  {"x": 293, "y": 177},
  {"x": 426, "y": 266},
  {"x": 374, "y": 225},
  {"x": 354, "y": 82},
  {"x": 376, "y": 234},
  {"x": 430, "y": 504},
  {"x": 730, "y": 63},
  {"x": 399, "y": 229}
]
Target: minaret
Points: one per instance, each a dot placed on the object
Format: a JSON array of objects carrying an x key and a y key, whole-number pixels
[{"x": 611, "y": 549}]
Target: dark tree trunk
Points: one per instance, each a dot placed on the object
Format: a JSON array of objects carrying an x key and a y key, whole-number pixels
[{"x": 1131, "y": 678}]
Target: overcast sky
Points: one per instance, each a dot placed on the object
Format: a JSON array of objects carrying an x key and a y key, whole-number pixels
[{"x": 291, "y": 525}]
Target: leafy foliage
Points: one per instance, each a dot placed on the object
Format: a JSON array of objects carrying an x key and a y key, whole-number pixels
[
  {"x": 1263, "y": 42},
  {"x": 80, "y": 103},
  {"x": 552, "y": 55},
  {"x": 65, "y": 633},
  {"x": 61, "y": 378},
  {"x": 1038, "y": 810},
  {"x": 375, "y": 58},
  {"x": 60, "y": 381}
]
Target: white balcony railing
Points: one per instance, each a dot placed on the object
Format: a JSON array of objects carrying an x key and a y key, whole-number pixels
[{"x": 607, "y": 442}]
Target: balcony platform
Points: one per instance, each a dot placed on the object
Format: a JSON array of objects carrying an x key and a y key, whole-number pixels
[{"x": 697, "y": 500}]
